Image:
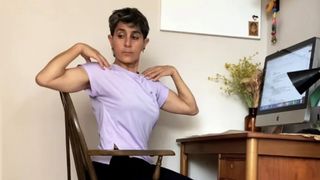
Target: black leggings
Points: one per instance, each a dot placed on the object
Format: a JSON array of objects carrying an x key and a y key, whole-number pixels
[{"x": 126, "y": 168}]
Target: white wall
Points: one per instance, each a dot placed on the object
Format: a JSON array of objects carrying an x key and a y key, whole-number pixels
[
  {"x": 2, "y": 85},
  {"x": 1, "y": 131},
  {"x": 33, "y": 31}
]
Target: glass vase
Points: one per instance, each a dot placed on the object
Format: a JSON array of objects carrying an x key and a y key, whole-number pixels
[{"x": 250, "y": 121}]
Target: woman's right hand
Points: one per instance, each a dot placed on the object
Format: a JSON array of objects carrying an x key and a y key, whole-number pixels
[{"x": 89, "y": 53}]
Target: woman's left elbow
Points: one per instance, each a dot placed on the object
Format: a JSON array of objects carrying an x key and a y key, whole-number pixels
[{"x": 193, "y": 111}]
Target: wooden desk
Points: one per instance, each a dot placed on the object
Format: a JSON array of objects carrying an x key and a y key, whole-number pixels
[{"x": 251, "y": 156}]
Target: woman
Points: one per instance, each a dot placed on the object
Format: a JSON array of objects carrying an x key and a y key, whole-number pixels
[{"x": 126, "y": 103}]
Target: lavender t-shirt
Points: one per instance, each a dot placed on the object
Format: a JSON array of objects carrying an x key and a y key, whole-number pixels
[{"x": 126, "y": 106}]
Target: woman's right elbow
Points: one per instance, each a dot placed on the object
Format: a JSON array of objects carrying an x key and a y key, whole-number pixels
[{"x": 41, "y": 81}]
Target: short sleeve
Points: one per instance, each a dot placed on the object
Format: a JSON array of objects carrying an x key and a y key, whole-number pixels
[
  {"x": 93, "y": 72},
  {"x": 162, "y": 95}
]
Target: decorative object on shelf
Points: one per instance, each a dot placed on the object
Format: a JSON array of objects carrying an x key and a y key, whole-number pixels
[
  {"x": 244, "y": 80},
  {"x": 274, "y": 28},
  {"x": 250, "y": 121},
  {"x": 274, "y": 7}
]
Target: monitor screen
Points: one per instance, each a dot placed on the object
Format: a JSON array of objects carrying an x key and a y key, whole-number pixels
[
  {"x": 278, "y": 91},
  {"x": 280, "y": 102}
]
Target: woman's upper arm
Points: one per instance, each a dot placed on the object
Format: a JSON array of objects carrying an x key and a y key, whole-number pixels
[
  {"x": 174, "y": 104},
  {"x": 73, "y": 79}
]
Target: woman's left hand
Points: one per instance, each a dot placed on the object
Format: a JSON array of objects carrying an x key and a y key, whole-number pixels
[{"x": 156, "y": 72}]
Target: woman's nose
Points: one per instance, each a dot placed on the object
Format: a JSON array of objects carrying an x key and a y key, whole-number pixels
[{"x": 127, "y": 42}]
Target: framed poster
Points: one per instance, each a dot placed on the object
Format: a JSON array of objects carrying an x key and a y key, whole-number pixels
[{"x": 235, "y": 18}]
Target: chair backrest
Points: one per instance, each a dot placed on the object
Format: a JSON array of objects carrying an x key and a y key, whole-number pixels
[{"x": 75, "y": 138}]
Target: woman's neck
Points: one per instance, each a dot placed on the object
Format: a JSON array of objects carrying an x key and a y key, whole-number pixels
[{"x": 133, "y": 67}]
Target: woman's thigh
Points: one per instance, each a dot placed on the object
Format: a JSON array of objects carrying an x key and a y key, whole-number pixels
[{"x": 133, "y": 169}]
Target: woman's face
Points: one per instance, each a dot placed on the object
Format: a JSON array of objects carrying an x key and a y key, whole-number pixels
[{"x": 127, "y": 43}]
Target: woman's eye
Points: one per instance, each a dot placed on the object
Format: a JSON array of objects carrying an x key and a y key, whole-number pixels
[
  {"x": 136, "y": 36},
  {"x": 120, "y": 36}
]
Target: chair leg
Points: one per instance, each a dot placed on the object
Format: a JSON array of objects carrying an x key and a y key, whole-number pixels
[{"x": 156, "y": 174}]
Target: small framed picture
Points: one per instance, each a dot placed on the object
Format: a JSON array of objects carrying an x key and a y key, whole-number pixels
[{"x": 253, "y": 28}]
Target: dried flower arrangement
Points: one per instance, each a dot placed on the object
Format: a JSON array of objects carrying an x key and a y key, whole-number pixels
[{"x": 244, "y": 80}]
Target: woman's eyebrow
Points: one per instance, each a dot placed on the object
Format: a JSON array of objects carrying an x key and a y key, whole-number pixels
[{"x": 133, "y": 32}]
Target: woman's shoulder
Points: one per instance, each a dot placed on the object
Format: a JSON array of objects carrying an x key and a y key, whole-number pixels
[{"x": 91, "y": 65}]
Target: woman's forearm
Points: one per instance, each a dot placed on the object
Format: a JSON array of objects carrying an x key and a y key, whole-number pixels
[
  {"x": 57, "y": 66},
  {"x": 184, "y": 92}
]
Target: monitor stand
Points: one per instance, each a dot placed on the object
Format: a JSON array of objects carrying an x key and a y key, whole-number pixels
[{"x": 273, "y": 129}]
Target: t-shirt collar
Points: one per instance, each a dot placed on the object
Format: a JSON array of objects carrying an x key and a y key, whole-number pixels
[{"x": 119, "y": 68}]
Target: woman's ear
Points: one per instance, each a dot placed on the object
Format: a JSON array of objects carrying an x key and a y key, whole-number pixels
[
  {"x": 146, "y": 41},
  {"x": 110, "y": 40},
  {"x": 111, "y": 44}
]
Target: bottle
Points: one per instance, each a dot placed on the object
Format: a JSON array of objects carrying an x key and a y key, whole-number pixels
[{"x": 250, "y": 121}]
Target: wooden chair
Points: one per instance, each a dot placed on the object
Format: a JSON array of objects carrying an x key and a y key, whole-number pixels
[{"x": 81, "y": 153}]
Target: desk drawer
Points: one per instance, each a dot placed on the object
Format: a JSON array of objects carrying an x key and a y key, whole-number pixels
[{"x": 231, "y": 167}]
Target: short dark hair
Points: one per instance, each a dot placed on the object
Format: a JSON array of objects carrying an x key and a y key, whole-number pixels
[{"x": 129, "y": 16}]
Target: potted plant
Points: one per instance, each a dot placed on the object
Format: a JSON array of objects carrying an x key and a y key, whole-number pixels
[{"x": 244, "y": 80}]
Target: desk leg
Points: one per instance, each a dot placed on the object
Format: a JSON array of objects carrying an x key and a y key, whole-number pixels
[
  {"x": 183, "y": 160},
  {"x": 251, "y": 159}
]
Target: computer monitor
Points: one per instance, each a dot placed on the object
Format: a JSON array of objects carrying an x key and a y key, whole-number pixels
[{"x": 280, "y": 103}]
